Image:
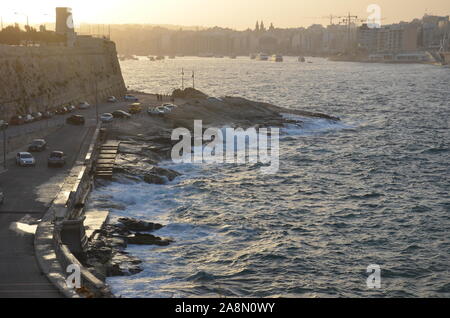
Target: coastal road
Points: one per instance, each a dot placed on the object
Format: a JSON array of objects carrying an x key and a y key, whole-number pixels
[{"x": 29, "y": 192}]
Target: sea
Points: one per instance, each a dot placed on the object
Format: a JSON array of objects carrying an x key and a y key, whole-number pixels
[{"x": 370, "y": 191}]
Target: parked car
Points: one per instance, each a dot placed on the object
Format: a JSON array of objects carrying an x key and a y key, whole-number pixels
[
  {"x": 2, "y": 196},
  {"x": 84, "y": 105},
  {"x": 56, "y": 159},
  {"x": 47, "y": 115},
  {"x": 71, "y": 108},
  {"x": 106, "y": 118},
  {"x": 121, "y": 114},
  {"x": 169, "y": 106},
  {"x": 17, "y": 120},
  {"x": 75, "y": 120},
  {"x": 61, "y": 110},
  {"x": 25, "y": 159},
  {"x": 155, "y": 111},
  {"x": 3, "y": 124},
  {"x": 131, "y": 98},
  {"x": 37, "y": 116},
  {"x": 112, "y": 99},
  {"x": 28, "y": 118},
  {"x": 37, "y": 145},
  {"x": 135, "y": 108}
]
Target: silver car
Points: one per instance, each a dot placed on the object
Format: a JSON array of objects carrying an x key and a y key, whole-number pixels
[{"x": 25, "y": 159}]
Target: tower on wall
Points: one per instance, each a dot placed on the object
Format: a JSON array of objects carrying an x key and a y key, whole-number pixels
[{"x": 64, "y": 25}]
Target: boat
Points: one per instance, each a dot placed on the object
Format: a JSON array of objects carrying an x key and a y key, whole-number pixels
[
  {"x": 233, "y": 57},
  {"x": 151, "y": 58},
  {"x": 160, "y": 57},
  {"x": 262, "y": 57},
  {"x": 301, "y": 59},
  {"x": 252, "y": 56},
  {"x": 277, "y": 58},
  {"x": 172, "y": 57}
]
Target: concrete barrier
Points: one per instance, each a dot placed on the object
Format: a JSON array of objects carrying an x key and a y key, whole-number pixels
[{"x": 69, "y": 205}]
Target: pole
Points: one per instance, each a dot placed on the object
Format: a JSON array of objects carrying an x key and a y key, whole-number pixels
[
  {"x": 96, "y": 100},
  {"x": 182, "y": 79},
  {"x": 193, "y": 79},
  {"x": 4, "y": 147}
]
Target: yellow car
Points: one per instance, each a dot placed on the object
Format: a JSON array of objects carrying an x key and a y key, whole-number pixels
[{"x": 135, "y": 108}]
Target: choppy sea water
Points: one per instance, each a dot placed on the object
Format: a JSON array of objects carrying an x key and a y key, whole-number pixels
[{"x": 373, "y": 189}]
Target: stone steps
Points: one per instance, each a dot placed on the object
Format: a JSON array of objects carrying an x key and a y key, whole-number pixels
[{"x": 106, "y": 159}]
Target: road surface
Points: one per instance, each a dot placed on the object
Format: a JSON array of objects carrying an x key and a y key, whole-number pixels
[{"x": 28, "y": 193}]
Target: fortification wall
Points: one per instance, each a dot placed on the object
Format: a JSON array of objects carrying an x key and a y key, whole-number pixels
[{"x": 41, "y": 78}]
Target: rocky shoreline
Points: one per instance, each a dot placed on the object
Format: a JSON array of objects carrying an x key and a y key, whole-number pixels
[{"x": 146, "y": 141}]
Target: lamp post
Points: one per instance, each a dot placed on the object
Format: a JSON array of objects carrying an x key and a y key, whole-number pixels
[
  {"x": 18, "y": 13},
  {"x": 3, "y": 127}
]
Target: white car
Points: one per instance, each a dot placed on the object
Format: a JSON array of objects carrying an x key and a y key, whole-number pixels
[
  {"x": 83, "y": 105},
  {"x": 131, "y": 98},
  {"x": 107, "y": 117},
  {"x": 169, "y": 106},
  {"x": 25, "y": 159},
  {"x": 112, "y": 99}
]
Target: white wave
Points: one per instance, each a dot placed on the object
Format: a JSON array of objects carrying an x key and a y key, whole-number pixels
[{"x": 311, "y": 126}]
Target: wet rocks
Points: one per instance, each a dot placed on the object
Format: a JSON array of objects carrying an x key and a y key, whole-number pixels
[
  {"x": 132, "y": 224},
  {"x": 147, "y": 239},
  {"x": 158, "y": 175},
  {"x": 106, "y": 255}
]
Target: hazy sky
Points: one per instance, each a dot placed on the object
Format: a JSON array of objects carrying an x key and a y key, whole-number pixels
[{"x": 237, "y": 14}]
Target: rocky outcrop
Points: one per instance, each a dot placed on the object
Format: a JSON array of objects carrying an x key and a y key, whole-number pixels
[
  {"x": 188, "y": 93},
  {"x": 106, "y": 254}
]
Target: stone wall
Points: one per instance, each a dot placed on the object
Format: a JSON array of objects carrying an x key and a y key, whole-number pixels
[{"x": 41, "y": 78}]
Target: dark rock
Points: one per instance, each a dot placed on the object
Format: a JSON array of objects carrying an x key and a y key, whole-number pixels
[
  {"x": 188, "y": 93},
  {"x": 138, "y": 225},
  {"x": 147, "y": 239},
  {"x": 154, "y": 179},
  {"x": 168, "y": 173}
]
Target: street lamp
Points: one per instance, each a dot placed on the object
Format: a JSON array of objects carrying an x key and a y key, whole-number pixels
[
  {"x": 3, "y": 127},
  {"x": 18, "y": 13}
]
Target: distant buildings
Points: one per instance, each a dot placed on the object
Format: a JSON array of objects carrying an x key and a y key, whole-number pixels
[
  {"x": 425, "y": 34},
  {"x": 420, "y": 34}
]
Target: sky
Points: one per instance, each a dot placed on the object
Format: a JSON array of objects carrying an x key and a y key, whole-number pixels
[{"x": 236, "y": 14}]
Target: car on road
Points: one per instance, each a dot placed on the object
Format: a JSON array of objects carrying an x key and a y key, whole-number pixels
[
  {"x": 106, "y": 117},
  {"x": 17, "y": 120},
  {"x": 25, "y": 159},
  {"x": 84, "y": 105},
  {"x": 37, "y": 116},
  {"x": 121, "y": 114},
  {"x": 112, "y": 99},
  {"x": 56, "y": 159},
  {"x": 47, "y": 115},
  {"x": 2, "y": 196},
  {"x": 61, "y": 110},
  {"x": 135, "y": 108},
  {"x": 75, "y": 120},
  {"x": 154, "y": 111},
  {"x": 168, "y": 106},
  {"x": 28, "y": 118},
  {"x": 3, "y": 124},
  {"x": 129, "y": 97},
  {"x": 37, "y": 145}
]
